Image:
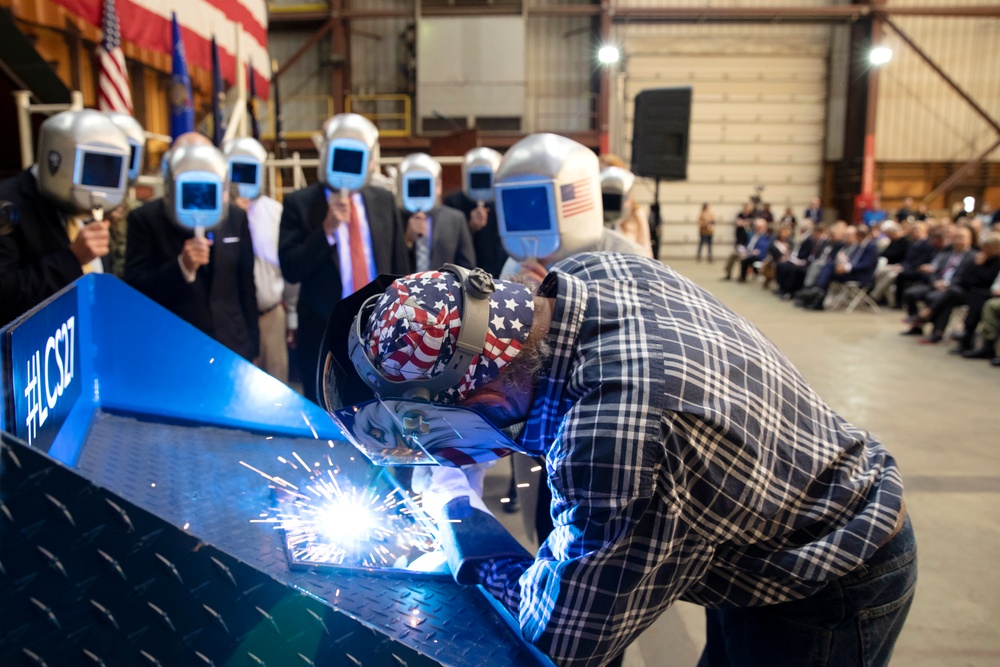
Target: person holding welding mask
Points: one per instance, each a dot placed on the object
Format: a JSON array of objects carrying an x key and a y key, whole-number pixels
[
  {"x": 190, "y": 250},
  {"x": 52, "y": 225},
  {"x": 686, "y": 456}
]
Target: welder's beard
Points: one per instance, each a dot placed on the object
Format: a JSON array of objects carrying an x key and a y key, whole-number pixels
[{"x": 507, "y": 399}]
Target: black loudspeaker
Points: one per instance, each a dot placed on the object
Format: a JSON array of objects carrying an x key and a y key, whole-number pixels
[{"x": 660, "y": 131}]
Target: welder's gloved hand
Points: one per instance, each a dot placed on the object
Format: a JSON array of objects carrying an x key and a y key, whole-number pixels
[
  {"x": 469, "y": 533},
  {"x": 439, "y": 485}
]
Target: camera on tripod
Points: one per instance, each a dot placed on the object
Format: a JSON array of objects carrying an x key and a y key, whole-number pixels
[{"x": 755, "y": 197}]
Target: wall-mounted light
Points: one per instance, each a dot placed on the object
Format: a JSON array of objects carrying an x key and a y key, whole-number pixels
[
  {"x": 970, "y": 204},
  {"x": 880, "y": 55},
  {"x": 608, "y": 55}
]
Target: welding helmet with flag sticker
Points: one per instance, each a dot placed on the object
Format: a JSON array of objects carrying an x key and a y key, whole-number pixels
[
  {"x": 348, "y": 149},
  {"x": 548, "y": 199},
  {"x": 420, "y": 346},
  {"x": 83, "y": 161}
]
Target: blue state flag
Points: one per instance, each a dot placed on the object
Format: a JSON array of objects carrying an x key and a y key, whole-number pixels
[
  {"x": 181, "y": 107},
  {"x": 218, "y": 97}
]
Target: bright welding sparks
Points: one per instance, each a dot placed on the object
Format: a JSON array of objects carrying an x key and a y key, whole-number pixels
[{"x": 330, "y": 521}]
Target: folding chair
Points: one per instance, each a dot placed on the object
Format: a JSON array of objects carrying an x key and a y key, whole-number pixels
[{"x": 857, "y": 295}]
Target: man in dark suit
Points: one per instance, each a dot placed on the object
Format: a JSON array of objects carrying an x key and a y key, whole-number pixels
[
  {"x": 435, "y": 234},
  {"x": 336, "y": 236},
  {"x": 207, "y": 282},
  {"x": 448, "y": 235},
  {"x": 790, "y": 274},
  {"x": 485, "y": 230},
  {"x": 756, "y": 248},
  {"x": 916, "y": 266},
  {"x": 941, "y": 272},
  {"x": 855, "y": 263},
  {"x": 49, "y": 235}
]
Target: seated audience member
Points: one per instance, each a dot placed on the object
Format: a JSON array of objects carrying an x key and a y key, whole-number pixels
[
  {"x": 971, "y": 286},
  {"x": 942, "y": 272},
  {"x": 788, "y": 218},
  {"x": 988, "y": 328},
  {"x": 778, "y": 252},
  {"x": 917, "y": 266},
  {"x": 855, "y": 262},
  {"x": 791, "y": 273},
  {"x": 921, "y": 213},
  {"x": 756, "y": 249},
  {"x": 812, "y": 217},
  {"x": 894, "y": 253},
  {"x": 811, "y": 295},
  {"x": 906, "y": 210}
]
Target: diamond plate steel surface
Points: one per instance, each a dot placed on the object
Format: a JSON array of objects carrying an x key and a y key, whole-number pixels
[{"x": 169, "y": 578}]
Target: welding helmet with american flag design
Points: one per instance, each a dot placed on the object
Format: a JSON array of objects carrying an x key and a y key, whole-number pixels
[{"x": 548, "y": 199}]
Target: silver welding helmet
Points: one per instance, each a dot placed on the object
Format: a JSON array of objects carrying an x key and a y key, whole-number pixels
[
  {"x": 198, "y": 194},
  {"x": 616, "y": 184},
  {"x": 548, "y": 198},
  {"x": 350, "y": 144},
  {"x": 136, "y": 136},
  {"x": 419, "y": 176},
  {"x": 83, "y": 161},
  {"x": 478, "y": 170},
  {"x": 246, "y": 157}
]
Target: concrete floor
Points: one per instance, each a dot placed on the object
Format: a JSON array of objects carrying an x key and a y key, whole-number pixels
[{"x": 938, "y": 416}]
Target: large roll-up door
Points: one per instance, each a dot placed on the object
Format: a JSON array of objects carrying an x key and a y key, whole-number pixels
[{"x": 758, "y": 117}]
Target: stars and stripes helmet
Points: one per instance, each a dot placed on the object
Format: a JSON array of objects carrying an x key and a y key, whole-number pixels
[
  {"x": 548, "y": 199},
  {"x": 438, "y": 335}
]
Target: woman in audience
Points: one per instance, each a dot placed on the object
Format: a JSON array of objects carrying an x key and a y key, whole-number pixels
[
  {"x": 778, "y": 252},
  {"x": 706, "y": 230}
]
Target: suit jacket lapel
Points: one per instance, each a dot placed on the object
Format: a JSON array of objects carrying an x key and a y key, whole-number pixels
[{"x": 439, "y": 235}]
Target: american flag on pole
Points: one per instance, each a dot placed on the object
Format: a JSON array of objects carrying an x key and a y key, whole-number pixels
[
  {"x": 113, "y": 93},
  {"x": 576, "y": 197}
]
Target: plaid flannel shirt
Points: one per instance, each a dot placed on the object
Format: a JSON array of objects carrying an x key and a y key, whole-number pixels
[{"x": 687, "y": 459}]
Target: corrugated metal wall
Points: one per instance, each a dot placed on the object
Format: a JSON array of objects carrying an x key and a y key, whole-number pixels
[
  {"x": 758, "y": 116},
  {"x": 919, "y": 117},
  {"x": 559, "y": 63},
  {"x": 378, "y": 54},
  {"x": 305, "y": 87}
]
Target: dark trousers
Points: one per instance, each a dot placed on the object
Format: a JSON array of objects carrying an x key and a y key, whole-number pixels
[
  {"x": 705, "y": 241},
  {"x": 790, "y": 277},
  {"x": 942, "y": 303},
  {"x": 972, "y": 317},
  {"x": 853, "y": 622},
  {"x": 914, "y": 295},
  {"x": 310, "y": 338},
  {"x": 907, "y": 279}
]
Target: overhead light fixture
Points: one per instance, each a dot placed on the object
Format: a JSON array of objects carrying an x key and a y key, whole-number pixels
[
  {"x": 970, "y": 204},
  {"x": 880, "y": 55},
  {"x": 608, "y": 55}
]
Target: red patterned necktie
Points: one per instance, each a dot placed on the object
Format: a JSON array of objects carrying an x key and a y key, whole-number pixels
[{"x": 359, "y": 265}]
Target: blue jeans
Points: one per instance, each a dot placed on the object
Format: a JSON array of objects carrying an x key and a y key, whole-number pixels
[{"x": 854, "y": 621}]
